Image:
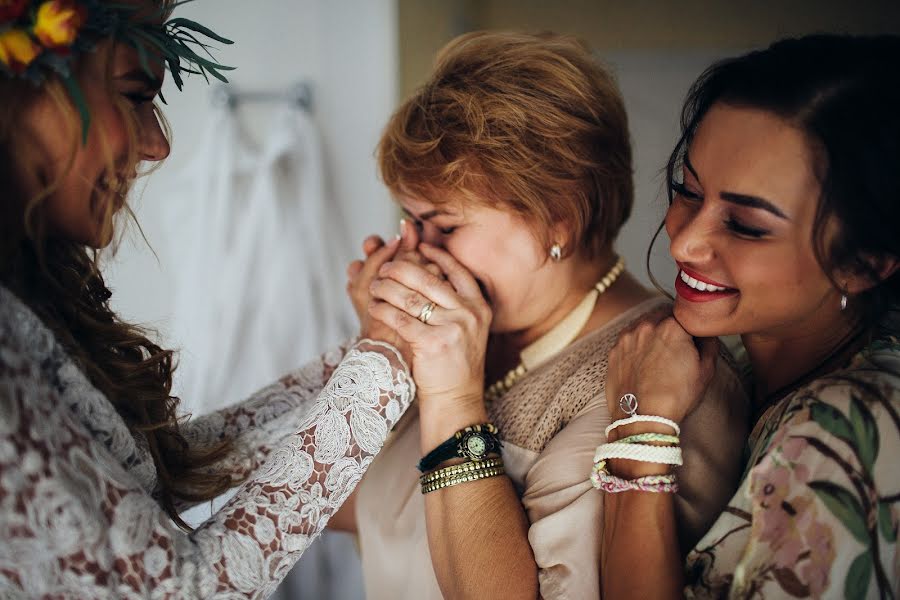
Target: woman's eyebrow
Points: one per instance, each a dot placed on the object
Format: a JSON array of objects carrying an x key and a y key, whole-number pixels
[
  {"x": 747, "y": 200},
  {"x": 753, "y": 202}
]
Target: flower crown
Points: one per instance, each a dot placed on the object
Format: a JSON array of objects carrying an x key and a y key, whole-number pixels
[{"x": 42, "y": 37}]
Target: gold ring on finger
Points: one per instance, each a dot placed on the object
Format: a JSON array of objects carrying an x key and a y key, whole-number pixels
[{"x": 425, "y": 314}]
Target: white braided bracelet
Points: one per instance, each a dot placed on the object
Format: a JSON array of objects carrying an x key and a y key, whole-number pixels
[
  {"x": 644, "y": 419},
  {"x": 664, "y": 455}
]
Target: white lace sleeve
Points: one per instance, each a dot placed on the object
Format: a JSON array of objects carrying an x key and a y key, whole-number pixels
[
  {"x": 260, "y": 423},
  {"x": 74, "y": 523}
]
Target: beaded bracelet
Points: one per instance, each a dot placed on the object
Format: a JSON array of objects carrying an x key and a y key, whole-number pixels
[
  {"x": 664, "y": 455},
  {"x": 662, "y": 438},
  {"x": 644, "y": 419},
  {"x": 660, "y": 484},
  {"x": 481, "y": 473},
  {"x": 460, "y": 469}
]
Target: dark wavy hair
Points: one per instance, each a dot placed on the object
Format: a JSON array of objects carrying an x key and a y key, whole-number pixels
[
  {"x": 60, "y": 281},
  {"x": 843, "y": 93}
]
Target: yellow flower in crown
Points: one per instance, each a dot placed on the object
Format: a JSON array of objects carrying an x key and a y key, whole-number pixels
[
  {"x": 57, "y": 23},
  {"x": 17, "y": 49}
]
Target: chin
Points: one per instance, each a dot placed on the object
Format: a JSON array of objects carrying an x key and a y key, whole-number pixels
[{"x": 698, "y": 325}]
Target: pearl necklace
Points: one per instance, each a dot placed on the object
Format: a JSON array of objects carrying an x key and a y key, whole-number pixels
[{"x": 552, "y": 342}]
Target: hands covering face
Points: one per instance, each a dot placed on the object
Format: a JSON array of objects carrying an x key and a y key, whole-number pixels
[{"x": 392, "y": 287}]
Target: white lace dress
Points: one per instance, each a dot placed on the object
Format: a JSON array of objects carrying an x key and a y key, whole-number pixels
[{"x": 77, "y": 514}]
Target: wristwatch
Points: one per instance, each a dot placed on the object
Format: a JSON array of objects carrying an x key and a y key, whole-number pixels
[{"x": 473, "y": 443}]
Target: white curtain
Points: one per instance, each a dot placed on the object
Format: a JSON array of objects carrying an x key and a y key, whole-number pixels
[{"x": 253, "y": 240}]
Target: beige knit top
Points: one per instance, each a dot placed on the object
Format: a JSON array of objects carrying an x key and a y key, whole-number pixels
[{"x": 551, "y": 422}]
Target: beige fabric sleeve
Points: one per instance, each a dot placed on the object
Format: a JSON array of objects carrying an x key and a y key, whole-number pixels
[{"x": 564, "y": 509}]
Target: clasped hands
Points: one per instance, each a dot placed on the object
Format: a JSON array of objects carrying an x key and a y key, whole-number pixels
[{"x": 389, "y": 290}]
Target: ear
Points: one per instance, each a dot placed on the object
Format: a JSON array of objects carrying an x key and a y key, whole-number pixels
[{"x": 879, "y": 268}]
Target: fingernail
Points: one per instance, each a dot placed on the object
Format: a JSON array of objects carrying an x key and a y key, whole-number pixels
[
  {"x": 394, "y": 241},
  {"x": 402, "y": 227}
]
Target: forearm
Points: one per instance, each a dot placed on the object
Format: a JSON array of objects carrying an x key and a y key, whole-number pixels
[
  {"x": 478, "y": 538},
  {"x": 477, "y": 531},
  {"x": 639, "y": 530}
]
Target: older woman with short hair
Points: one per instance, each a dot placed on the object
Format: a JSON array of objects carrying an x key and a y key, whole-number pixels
[{"x": 513, "y": 164}]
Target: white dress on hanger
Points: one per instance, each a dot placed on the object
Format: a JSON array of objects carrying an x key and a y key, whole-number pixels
[{"x": 254, "y": 248}]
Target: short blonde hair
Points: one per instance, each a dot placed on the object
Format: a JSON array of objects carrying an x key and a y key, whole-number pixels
[{"x": 531, "y": 123}]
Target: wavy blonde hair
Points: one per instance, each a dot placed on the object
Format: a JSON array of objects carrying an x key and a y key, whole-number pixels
[{"x": 60, "y": 281}]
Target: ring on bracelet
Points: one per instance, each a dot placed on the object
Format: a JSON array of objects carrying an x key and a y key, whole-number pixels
[
  {"x": 629, "y": 404},
  {"x": 425, "y": 314}
]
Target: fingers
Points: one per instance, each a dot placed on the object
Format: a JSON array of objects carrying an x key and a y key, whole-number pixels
[
  {"x": 460, "y": 277},
  {"x": 403, "y": 298},
  {"x": 409, "y": 328},
  {"x": 376, "y": 260},
  {"x": 418, "y": 279},
  {"x": 353, "y": 269},
  {"x": 415, "y": 257},
  {"x": 371, "y": 244},
  {"x": 409, "y": 236}
]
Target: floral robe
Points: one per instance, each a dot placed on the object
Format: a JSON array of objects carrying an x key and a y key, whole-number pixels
[{"x": 817, "y": 511}]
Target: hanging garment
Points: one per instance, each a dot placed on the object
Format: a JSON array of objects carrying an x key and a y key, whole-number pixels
[{"x": 255, "y": 247}]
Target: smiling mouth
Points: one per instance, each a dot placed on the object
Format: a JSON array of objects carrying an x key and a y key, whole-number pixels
[
  {"x": 702, "y": 286},
  {"x": 694, "y": 289}
]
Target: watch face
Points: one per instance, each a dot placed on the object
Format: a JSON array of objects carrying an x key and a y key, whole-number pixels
[{"x": 476, "y": 445}]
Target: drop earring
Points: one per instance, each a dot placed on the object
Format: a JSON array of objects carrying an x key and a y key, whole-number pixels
[{"x": 556, "y": 252}]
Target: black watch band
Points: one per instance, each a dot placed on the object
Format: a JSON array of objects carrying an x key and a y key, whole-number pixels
[{"x": 475, "y": 442}]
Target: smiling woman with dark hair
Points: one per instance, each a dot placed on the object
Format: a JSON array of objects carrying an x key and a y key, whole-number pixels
[{"x": 783, "y": 221}]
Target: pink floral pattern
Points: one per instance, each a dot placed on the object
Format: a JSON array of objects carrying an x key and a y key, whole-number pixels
[{"x": 818, "y": 510}]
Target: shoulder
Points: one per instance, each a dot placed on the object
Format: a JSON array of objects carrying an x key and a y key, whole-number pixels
[
  {"x": 582, "y": 369},
  {"x": 23, "y": 336},
  {"x": 856, "y": 407}
]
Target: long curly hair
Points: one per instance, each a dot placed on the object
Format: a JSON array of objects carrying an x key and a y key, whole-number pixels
[{"x": 60, "y": 281}]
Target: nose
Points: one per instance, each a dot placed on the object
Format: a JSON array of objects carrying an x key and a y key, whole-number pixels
[
  {"x": 154, "y": 144},
  {"x": 690, "y": 234}
]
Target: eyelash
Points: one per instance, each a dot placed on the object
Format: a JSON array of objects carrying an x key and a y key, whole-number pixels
[
  {"x": 679, "y": 189},
  {"x": 444, "y": 230},
  {"x": 741, "y": 229}
]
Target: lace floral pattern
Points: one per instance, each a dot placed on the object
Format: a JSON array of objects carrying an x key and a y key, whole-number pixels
[{"x": 77, "y": 515}]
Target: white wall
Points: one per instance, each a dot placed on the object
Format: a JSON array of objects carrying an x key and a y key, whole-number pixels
[{"x": 347, "y": 51}]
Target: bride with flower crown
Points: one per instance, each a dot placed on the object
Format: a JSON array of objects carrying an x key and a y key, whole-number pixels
[{"x": 95, "y": 463}]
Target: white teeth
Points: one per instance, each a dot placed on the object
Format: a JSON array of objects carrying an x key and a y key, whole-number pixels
[{"x": 700, "y": 285}]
